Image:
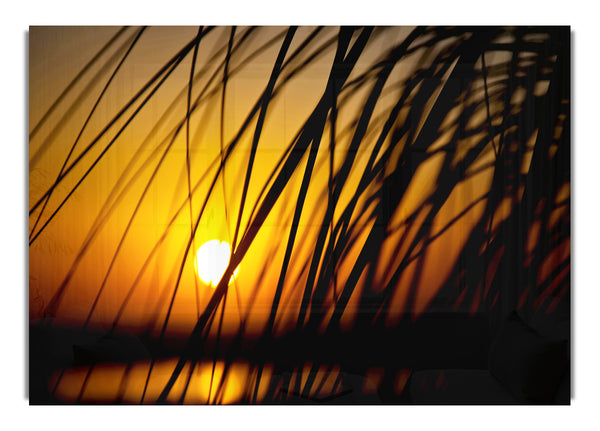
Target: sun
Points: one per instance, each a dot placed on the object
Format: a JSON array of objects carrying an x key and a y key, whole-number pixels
[{"x": 212, "y": 259}]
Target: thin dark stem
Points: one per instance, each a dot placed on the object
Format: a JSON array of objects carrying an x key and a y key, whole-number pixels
[{"x": 187, "y": 156}]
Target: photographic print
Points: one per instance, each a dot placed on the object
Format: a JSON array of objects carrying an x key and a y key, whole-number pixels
[{"x": 299, "y": 215}]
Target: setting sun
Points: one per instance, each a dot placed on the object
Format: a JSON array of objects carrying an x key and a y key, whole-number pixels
[{"x": 212, "y": 259}]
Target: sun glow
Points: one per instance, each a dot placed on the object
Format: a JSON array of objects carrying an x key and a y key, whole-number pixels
[{"x": 212, "y": 259}]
